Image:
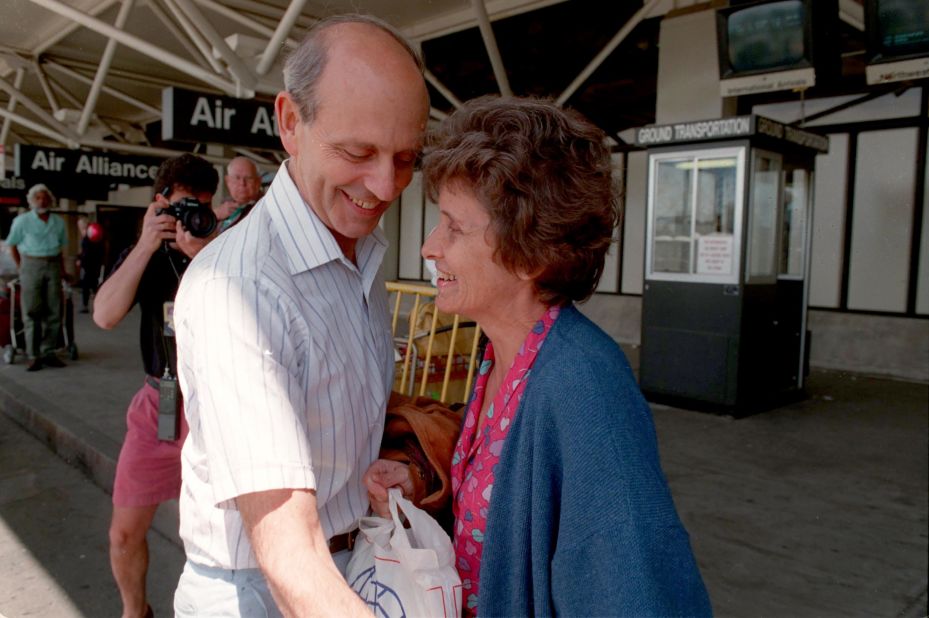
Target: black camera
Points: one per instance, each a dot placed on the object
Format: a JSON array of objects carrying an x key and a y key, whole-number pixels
[{"x": 197, "y": 218}]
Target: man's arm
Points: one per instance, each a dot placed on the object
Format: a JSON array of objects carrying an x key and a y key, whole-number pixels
[
  {"x": 284, "y": 529},
  {"x": 16, "y": 257},
  {"x": 117, "y": 294}
]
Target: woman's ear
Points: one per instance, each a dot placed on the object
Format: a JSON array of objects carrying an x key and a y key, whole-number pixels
[{"x": 288, "y": 121}]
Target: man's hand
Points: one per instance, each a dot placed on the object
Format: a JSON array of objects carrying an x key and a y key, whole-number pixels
[
  {"x": 381, "y": 476},
  {"x": 187, "y": 242},
  {"x": 225, "y": 209},
  {"x": 156, "y": 229}
]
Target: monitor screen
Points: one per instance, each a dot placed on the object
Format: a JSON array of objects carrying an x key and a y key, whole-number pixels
[
  {"x": 898, "y": 28},
  {"x": 766, "y": 37}
]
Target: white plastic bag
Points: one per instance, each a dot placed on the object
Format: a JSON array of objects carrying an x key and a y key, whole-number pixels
[{"x": 405, "y": 572}]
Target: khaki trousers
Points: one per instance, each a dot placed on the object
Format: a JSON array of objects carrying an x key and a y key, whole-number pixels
[{"x": 40, "y": 299}]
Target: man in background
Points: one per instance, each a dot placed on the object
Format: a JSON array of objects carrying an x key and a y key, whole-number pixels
[
  {"x": 244, "y": 184},
  {"x": 148, "y": 471},
  {"x": 37, "y": 240},
  {"x": 89, "y": 261}
]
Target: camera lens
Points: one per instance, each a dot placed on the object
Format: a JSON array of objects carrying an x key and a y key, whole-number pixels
[{"x": 200, "y": 222}]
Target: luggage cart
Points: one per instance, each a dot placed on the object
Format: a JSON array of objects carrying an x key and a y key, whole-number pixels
[{"x": 17, "y": 342}]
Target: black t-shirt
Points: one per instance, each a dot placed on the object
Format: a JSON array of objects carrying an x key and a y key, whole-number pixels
[
  {"x": 158, "y": 285},
  {"x": 91, "y": 255}
]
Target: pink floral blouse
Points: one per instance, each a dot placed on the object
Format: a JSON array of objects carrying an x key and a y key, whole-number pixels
[{"x": 476, "y": 456}]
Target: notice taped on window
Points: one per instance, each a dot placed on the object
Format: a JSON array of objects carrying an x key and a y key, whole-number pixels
[{"x": 714, "y": 255}]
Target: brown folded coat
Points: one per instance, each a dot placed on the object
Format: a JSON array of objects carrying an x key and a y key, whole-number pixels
[{"x": 422, "y": 432}]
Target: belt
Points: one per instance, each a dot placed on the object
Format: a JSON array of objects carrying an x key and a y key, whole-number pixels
[
  {"x": 43, "y": 258},
  {"x": 152, "y": 381},
  {"x": 342, "y": 542}
]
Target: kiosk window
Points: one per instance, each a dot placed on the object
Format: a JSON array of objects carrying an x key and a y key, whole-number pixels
[
  {"x": 762, "y": 232},
  {"x": 793, "y": 229},
  {"x": 673, "y": 216},
  {"x": 694, "y": 204}
]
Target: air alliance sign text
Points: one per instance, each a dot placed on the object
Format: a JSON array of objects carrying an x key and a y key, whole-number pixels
[{"x": 187, "y": 115}]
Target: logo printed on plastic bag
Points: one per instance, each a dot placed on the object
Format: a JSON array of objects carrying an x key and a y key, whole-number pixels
[{"x": 405, "y": 572}]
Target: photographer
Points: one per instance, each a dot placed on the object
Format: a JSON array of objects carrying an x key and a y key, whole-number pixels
[{"x": 177, "y": 224}]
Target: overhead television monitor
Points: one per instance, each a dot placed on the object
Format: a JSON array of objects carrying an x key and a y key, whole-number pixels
[
  {"x": 768, "y": 46},
  {"x": 898, "y": 40}
]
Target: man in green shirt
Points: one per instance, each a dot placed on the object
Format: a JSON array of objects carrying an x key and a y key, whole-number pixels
[{"x": 36, "y": 241}]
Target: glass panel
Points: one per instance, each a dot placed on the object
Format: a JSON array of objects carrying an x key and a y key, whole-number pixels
[
  {"x": 793, "y": 230},
  {"x": 762, "y": 234},
  {"x": 673, "y": 208},
  {"x": 715, "y": 216}
]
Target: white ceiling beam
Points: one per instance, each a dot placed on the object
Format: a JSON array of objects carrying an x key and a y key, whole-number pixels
[
  {"x": 49, "y": 93},
  {"x": 242, "y": 20},
  {"x": 113, "y": 92},
  {"x": 91, "y": 103},
  {"x": 38, "y": 128},
  {"x": 245, "y": 77},
  {"x": 490, "y": 43},
  {"x": 180, "y": 37},
  {"x": 277, "y": 41},
  {"x": 266, "y": 10},
  {"x": 11, "y": 105},
  {"x": 608, "y": 49},
  {"x": 75, "y": 103},
  {"x": 463, "y": 19},
  {"x": 445, "y": 92},
  {"x": 205, "y": 52},
  {"x": 66, "y": 31},
  {"x": 141, "y": 46},
  {"x": 138, "y": 78},
  {"x": 34, "y": 107}
]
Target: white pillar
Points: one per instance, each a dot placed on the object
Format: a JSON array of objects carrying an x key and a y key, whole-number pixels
[{"x": 688, "y": 70}]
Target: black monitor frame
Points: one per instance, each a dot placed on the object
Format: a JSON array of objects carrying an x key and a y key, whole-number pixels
[
  {"x": 878, "y": 51},
  {"x": 726, "y": 70}
]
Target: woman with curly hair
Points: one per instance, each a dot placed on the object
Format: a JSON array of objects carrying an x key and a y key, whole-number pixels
[{"x": 560, "y": 503}]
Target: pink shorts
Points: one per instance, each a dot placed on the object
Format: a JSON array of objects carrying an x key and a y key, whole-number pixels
[{"x": 148, "y": 471}]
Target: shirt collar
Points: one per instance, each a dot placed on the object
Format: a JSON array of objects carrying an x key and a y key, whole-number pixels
[{"x": 307, "y": 242}]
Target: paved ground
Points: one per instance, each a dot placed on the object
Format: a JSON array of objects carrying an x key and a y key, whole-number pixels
[
  {"x": 819, "y": 508},
  {"x": 54, "y": 560}
]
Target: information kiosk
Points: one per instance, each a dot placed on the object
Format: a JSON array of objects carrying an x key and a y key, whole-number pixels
[{"x": 724, "y": 304}]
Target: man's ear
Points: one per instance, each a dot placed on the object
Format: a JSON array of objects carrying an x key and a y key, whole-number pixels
[{"x": 288, "y": 120}]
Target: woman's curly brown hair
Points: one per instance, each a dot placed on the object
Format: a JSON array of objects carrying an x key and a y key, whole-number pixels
[{"x": 544, "y": 174}]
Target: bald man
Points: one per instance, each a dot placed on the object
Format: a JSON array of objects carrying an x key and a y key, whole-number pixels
[{"x": 284, "y": 339}]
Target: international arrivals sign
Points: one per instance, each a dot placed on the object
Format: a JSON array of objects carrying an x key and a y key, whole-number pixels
[
  {"x": 83, "y": 174},
  {"x": 187, "y": 115}
]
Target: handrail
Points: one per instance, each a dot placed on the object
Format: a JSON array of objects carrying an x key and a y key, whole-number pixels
[{"x": 422, "y": 300}]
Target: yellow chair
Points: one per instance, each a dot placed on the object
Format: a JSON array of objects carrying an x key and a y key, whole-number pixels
[{"x": 433, "y": 348}]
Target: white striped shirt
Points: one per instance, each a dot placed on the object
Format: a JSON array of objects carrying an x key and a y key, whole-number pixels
[{"x": 286, "y": 362}]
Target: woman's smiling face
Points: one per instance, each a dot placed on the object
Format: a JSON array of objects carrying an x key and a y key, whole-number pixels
[{"x": 471, "y": 280}]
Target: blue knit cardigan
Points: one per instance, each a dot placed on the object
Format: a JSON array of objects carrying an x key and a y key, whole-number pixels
[{"x": 581, "y": 520}]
